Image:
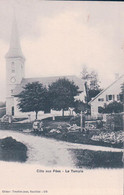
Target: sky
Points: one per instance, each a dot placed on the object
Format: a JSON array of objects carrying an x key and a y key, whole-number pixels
[{"x": 59, "y": 38}]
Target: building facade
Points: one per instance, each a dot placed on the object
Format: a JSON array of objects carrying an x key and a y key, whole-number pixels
[{"x": 110, "y": 94}]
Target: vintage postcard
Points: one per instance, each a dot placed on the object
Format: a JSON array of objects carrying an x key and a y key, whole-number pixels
[{"x": 61, "y": 97}]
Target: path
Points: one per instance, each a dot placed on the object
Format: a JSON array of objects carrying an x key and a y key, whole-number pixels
[{"x": 49, "y": 152}]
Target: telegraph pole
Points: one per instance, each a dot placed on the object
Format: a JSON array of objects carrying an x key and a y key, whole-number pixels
[{"x": 81, "y": 121}]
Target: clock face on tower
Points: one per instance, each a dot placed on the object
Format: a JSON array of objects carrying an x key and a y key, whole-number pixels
[{"x": 13, "y": 80}]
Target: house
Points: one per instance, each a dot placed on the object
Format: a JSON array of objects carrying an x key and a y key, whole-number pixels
[
  {"x": 110, "y": 94},
  {"x": 15, "y": 76}
]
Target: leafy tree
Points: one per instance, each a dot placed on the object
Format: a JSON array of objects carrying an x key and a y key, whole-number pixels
[
  {"x": 113, "y": 107},
  {"x": 91, "y": 78},
  {"x": 122, "y": 93},
  {"x": 81, "y": 106},
  {"x": 92, "y": 83},
  {"x": 122, "y": 88},
  {"x": 85, "y": 75},
  {"x": 62, "y": 93},
  {"x": 2, "y": 109},
  {"x": 2, "y": 104},
  {"x": 33, "y": 98},
  {"x": 93, "y": 93}
]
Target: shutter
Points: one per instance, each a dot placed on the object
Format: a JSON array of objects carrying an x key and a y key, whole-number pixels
[
  {"x": 118, "y": 97},
  {"x": 106, "y": 97}
]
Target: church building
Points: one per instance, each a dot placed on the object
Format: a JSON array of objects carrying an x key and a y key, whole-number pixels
[{"x": 15, "y": 76}]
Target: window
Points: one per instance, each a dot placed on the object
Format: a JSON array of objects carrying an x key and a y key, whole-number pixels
[
  {"x": 106, "y": 97},
  {"x": 13, "y": 67},
  {"x": 100, "y": 99},
  {"x": 118, "y": 97},
  {"x": 121, "y": 97},
  {"x": 110, "y": 97},
  {"x": 12, "y": 110},
  {"x": 13, "y": 71}
]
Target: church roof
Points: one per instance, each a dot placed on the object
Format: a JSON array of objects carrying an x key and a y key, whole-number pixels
[
  {"x": 15, "y": 47},
  {"x": 47, "y": 81}
]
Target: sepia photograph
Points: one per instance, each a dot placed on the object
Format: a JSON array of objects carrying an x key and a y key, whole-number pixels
[{"x": 61, "y": 97}]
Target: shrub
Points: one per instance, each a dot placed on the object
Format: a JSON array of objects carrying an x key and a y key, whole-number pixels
[
  {"x": 75, "y": 120},
  {"x": 11, "y": 150},
  {"x": 2, "y": 112},
  {"x": 100, "y": 109},
  {"x": 115, "y": 107},
  {"x": 115, "y": 122},
  {"x": 109, "y": 137}
]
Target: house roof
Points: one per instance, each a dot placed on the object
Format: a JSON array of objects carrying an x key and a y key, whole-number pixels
[
  {"x": 121, "y": 77},
  {"x": 47, "y": 81}
]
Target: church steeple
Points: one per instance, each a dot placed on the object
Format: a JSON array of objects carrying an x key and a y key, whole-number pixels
[
  {"x": 15, "y": 68},
  {"x": 15, "y": 47}
]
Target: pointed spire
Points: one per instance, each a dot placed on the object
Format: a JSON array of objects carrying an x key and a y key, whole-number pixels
[{"x": 15, "y": 47}]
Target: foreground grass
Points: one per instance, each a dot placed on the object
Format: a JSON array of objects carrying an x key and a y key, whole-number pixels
[{"x": 97, "y": 159}]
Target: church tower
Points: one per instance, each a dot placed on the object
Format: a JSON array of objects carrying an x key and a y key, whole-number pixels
[{"x": 14, "y": 68}]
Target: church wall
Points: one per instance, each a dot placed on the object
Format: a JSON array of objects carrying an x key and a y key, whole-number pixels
[
  {"x": 9, "y": 105},
  {"x": 14, "y": 68}
]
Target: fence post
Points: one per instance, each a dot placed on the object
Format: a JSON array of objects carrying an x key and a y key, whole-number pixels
[{"x": 10, "y": 119}]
